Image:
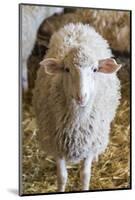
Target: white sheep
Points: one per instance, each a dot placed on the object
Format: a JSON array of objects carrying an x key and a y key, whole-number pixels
[
  {"x": 75, "y": 99},
  {"x": 31, "y": 17}
]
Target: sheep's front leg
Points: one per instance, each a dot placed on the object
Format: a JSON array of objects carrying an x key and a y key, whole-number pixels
[
  {"x": 85, "y": 172},
  {"x": 61, "y": 174}
]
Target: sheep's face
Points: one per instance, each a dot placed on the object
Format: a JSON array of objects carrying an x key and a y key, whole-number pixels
[
  {"x": 78, "y": 72},
  {"x": 79, "y": 80},
  {"x": 78, "y": 83}
]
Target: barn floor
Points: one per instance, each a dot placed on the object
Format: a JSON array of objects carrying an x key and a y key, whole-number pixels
[{"x": 112, "y": 171}]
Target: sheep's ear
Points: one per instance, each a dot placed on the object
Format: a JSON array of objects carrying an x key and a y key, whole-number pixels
[
  {"x": 108, "y": 66},
  {"x": 51, "y": 66}
]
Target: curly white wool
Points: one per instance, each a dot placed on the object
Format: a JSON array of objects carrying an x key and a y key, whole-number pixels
[{"x": 67, "y": 130}]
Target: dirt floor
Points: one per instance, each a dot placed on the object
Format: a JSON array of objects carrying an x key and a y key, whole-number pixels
[{"x": 110, "y": 172}]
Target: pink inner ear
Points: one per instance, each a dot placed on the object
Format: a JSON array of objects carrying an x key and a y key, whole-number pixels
[
  {"x": 51, "y": 65},
  {"x": 108, "y": 65}
]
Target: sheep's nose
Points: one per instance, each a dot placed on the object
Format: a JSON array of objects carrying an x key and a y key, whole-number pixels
[{"x": 80, "y": 98}]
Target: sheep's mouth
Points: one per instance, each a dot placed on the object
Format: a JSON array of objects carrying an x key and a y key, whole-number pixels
[
  {"x": 81, "y": 104},
  {"x": 78, "y": 103}
]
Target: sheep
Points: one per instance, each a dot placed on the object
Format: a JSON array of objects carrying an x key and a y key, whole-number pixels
[
  {"x": 75, "y": 99},
  {"x": 31, "y": 17}
]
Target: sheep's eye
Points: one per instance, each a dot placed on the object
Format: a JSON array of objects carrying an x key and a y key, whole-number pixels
[
  {"x": 95, "y": 70},
  {"x": 67, "y": 70}
]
